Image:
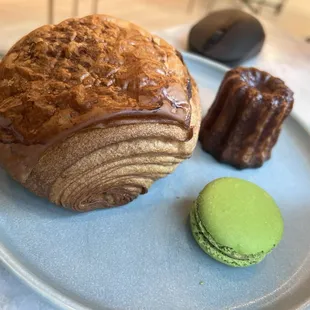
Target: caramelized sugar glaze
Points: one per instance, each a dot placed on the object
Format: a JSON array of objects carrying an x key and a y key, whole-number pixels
[{"x": 245, "y": 119}]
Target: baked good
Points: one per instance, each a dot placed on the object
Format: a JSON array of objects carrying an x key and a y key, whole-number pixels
[
  {"x": 245, "y": 119},
  {"x": 236, "y": 222},
  {"x": 93, "y": 111}
]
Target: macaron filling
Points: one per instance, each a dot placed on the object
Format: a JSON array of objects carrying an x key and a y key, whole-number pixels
[{"x": 219, "y": 252}]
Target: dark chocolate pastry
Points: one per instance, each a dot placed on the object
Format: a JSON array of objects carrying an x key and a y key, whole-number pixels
[
  {"x": 94, "y": 110},
  {"x": 244, "y": 122}
]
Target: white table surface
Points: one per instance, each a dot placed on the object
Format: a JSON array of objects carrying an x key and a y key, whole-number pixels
[{"x": 282, "y": 55}]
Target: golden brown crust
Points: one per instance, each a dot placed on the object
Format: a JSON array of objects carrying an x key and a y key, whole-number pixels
[
  {"x": 93, "y": 111},
  {"x": 86, "y": 70}
]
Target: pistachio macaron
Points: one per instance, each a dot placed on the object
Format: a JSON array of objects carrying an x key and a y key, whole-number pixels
[{"x": 236, "y": 222}]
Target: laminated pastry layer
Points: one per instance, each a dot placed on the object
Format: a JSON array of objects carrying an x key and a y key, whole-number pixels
[
  {"x": 87, "y": 74},
  {"x": 109, "y": 167}
]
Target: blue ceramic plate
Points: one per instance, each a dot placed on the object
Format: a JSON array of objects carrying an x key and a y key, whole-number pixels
[{"x": 142, "y": 256}]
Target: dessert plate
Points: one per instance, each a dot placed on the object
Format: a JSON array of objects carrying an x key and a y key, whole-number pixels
[{"x": 142, "y": 255}]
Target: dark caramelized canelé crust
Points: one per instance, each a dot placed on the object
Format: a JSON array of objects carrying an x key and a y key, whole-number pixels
[
  {"x": 61, "y": 78},
  {"x": 244, "y": 122}
]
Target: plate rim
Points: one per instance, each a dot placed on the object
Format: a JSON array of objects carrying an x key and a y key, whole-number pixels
[{"x": 60, "y": 300}]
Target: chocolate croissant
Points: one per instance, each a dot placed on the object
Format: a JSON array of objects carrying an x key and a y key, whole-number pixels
[{"x": 93, "y": 111}]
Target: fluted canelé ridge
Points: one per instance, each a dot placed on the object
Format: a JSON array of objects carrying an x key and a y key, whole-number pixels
[{"x": 245, "y": 119}]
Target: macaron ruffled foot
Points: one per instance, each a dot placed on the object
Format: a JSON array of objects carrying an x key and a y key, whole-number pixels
[{"x": 236, "y": 222}]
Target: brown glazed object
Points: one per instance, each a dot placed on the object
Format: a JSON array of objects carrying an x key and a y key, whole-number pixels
[
  {"x": 244, "y": 121},
  {"x": 93, "y": 111}
]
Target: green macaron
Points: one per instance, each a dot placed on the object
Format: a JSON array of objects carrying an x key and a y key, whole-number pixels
[{"x": 236, "y": 222}]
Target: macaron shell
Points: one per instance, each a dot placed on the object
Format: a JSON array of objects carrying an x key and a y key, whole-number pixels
[
  {"x": 212, "y": 251},
  {"x": 240, "y": 215}
]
